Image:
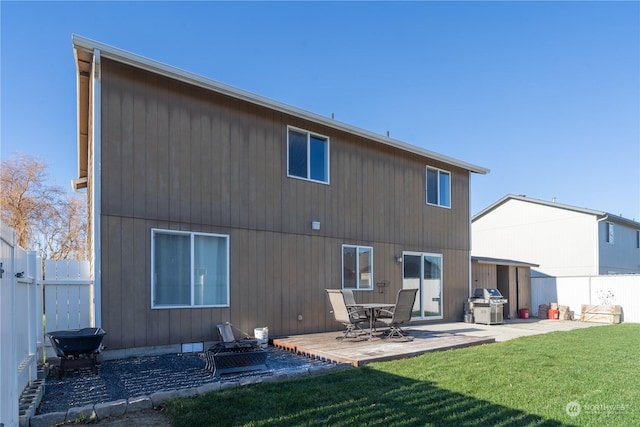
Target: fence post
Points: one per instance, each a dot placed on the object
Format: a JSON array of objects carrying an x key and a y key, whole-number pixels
[
  {"x": 8, "y": 374},
  {"x": 39, "y": 307}
]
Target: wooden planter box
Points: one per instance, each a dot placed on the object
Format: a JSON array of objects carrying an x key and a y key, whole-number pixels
[{"x": 600, "y": 313}]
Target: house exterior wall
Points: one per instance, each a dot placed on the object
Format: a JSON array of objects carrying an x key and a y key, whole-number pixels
[
  {"x": 483, "y": 276},
  {"x": 174, "y": 156},
  {"x": 622, "y": 256},
  {"x": 561, "y": 241}
]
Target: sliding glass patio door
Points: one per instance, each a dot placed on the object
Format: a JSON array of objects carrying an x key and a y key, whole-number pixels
[{"x": 423, "y": 271}]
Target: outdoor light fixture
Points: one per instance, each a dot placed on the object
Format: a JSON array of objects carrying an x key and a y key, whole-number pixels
[{"x": 399, "y": 258}]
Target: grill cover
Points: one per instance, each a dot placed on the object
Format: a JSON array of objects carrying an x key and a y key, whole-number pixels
[{"x": 488, "y": 295}]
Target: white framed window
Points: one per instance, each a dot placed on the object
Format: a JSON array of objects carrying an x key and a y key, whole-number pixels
[
  {"x": 307, "y": 155},
  {"x": 609, "y": 233},
  {"x": 357, "y": 267},
  {"x": 438, "y": 187},
  {"x": 189, "y": 269}
]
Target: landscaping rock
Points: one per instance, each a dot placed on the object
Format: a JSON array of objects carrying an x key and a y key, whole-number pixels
[
  {"x": 139, "y": 403},
  {"x": 147, "y": 375},
  {"x": 208, "y": 388},
  {"x": 47, "y": 420},
  {"x": 111, "y": 409},
  {"x": 81, "y": 414},
  {"x": 250, "y": 380},
  {"x": 160, "y": 397}
]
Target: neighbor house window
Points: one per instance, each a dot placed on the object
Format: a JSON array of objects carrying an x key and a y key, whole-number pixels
[
  {"x": 357, "y": 267},
  {"x": 637, "y": 239},
  {"x": 438, "y": 187},
  {"x": 307, "y": 155},
  {"x": 609, "y": 232},
  {"x": 189, "y": 269}
]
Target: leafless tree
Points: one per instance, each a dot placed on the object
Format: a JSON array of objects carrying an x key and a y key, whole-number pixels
[
  {"x": 43, "y": 215},
  {"x": 64, "y": 234}
]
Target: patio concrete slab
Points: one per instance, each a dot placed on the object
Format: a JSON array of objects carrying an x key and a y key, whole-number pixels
[{"x": 511, "y": 329}]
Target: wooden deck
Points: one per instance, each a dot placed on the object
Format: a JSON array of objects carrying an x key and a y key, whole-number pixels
[{"x": 359, "y": 351}]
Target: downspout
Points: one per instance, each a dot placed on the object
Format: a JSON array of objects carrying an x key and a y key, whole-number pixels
[
  {"x": 96, "y": 141},
  {"x": 596, "y": 261},
  {"x": 470, "y": 240}
]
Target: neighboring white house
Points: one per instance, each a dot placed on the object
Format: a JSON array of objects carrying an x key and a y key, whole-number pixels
[{"x": 564, "y": 240}]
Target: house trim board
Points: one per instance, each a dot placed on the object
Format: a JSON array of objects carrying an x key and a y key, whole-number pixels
[{"x": 96, "y": 141}]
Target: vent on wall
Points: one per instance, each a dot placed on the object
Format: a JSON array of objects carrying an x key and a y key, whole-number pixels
[{"x": 192, "y": 347}]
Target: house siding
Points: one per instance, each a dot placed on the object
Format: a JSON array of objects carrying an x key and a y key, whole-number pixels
[
  {"x": 562, "y": 242},
  {"x": 623, "y": 255},
  {"x": 179, "y": 157}
]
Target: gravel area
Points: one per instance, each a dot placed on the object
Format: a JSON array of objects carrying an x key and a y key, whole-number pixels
[{"x": 142, "y": 376}]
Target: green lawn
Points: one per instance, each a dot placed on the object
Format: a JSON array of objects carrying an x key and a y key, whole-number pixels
[{"x": 531, "y": 381}]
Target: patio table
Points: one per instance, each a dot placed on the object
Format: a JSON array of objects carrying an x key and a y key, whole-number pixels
[{"x": 372, "y": 309}]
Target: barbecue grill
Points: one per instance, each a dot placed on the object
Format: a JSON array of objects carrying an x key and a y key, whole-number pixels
[{"x": 487, "y": 305}]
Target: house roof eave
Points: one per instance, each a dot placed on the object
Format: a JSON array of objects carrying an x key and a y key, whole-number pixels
[
  {"x": 110, "y": 52},
  {"x": 83, "y": 60},
  {"x": 526, "y": 199},
  {"x": 501, "y": 261},
  {"x": 600, "y": 215}
]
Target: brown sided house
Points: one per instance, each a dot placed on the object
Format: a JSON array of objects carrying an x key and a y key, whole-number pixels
[{"x": 211, "y": 204}]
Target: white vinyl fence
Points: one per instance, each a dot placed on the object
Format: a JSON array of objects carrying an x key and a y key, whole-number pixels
[
  {"x": 622, "y": 290},
  {"x": 20, "y": 324},
  {"x": 68, "y": 297},
  {"x": 67, "y": 304}
]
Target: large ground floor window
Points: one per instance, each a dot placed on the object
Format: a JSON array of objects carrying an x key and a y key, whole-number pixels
[{"x": 189, "y": 269}]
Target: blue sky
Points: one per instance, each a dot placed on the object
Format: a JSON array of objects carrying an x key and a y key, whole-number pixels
[{"x": 545, "y": 94}]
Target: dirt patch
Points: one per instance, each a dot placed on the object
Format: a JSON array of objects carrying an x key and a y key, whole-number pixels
[{"x": 143, "y": 418}]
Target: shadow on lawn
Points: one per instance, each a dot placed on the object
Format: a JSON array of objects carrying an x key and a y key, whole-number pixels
[{"x": 337, "y": 399}]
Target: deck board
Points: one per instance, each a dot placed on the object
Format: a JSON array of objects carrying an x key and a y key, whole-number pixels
[{"x": 360, "y": 351}]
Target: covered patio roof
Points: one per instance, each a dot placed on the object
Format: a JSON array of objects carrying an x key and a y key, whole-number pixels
[{"x": 502, "y": 261}]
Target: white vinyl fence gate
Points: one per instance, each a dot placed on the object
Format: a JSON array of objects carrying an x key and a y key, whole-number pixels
[
  {"x": 67, "y": 303},
  {"x": 68, "y": 297}
]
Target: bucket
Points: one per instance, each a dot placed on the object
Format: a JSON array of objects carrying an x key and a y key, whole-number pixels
[
  {"x": 524, "y": 313},
  {"x": 554, "y": 314},
  {"x": 262, "y": 336}
]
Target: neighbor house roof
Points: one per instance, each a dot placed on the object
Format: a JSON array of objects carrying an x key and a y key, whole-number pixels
[
  {"x": 84, "y": 52},
  {"x": 601, "y": 215}
]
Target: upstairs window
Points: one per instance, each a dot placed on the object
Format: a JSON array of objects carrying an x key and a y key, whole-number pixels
[
  {"x": 357, "y": 267},
  {"x": 609, "y": 232},
  {"x": 307, "y": 155},
  {"x": 438, "y": 187}
]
